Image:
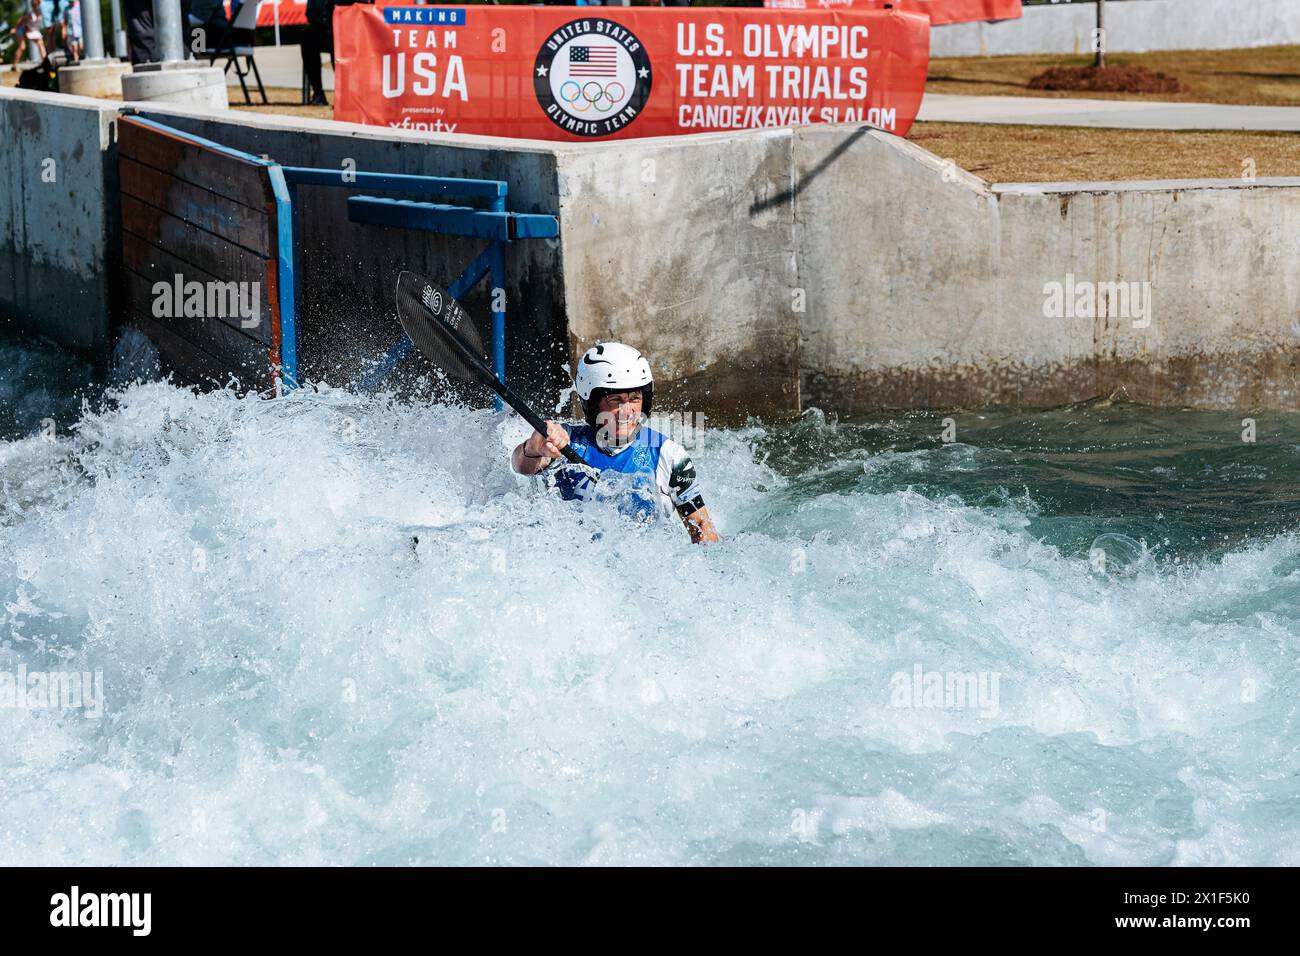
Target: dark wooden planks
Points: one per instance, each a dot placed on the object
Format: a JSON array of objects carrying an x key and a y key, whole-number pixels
[
  {"x": 203, "y": 250},
  {"x": 215, "y": 350},
  {"x": 208, "y": 216},
  {"x": 160, "y": 265},
  {"x": 241, "y": 180},
  {"x": 202, "y": 208}
]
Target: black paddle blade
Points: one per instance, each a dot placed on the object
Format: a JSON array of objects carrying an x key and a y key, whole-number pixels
[{"x": 441, "y": 329}]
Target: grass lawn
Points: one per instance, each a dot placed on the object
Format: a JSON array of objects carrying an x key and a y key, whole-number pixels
[
  {"x": 1263, "y": 76},
  {"x": 1001, "y": 154}
]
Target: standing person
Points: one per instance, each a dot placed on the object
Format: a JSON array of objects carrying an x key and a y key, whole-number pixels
[
  {"x": 28, "y": 28},
  {"x": 616, "y": 390},
  {"x": 206, "y": 26},
  {"x": 317, "y": 39},
  {"x": 139, "y": 30},
  {"x": 70, "y": 27}
]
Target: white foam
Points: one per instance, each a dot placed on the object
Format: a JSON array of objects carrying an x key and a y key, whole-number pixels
[{"x": 287, "y": 682}]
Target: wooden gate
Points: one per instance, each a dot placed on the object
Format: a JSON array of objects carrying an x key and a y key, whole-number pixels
[{"x": 200, "y": 245}]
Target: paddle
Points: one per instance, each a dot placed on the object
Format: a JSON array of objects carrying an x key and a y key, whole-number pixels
[{"x": 442, "y": 330}]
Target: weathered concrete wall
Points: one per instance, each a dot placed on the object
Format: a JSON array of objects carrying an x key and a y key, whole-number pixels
[
  {"x": 763, "y": 271},
  {"x": 1131, "y": 26},
  {"x": 677, "y": 247},
  {"x": 939, "y": 298},
  {"x": 56, "y": 260}
]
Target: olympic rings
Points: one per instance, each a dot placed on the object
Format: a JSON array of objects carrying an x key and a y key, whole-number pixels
[{"x": 591, "y": 95}]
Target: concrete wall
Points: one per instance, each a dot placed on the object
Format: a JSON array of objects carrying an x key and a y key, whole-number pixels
[
  {"x": 763, "y": 271},
  {"x": 939, "y": 302},
  {"x": 673, "y": 245},
  {"x": 1131, "y": 26},
  {"x": 56, "y": 260}
]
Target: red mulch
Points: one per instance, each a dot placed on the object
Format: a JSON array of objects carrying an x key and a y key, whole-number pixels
[{"x": 1105, "y": 79}]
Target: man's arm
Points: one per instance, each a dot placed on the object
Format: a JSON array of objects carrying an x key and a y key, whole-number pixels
[
  {"x": 686, "y": 496},
  {"x": 700, "y": 526},
  {"x": 537, "y": 452}
]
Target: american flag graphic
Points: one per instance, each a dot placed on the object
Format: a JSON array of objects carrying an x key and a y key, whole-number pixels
[{"x": 593, "y": 61}]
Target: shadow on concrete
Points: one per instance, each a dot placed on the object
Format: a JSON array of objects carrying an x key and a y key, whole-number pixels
[
  {"x": 933, "y": 78},
  {"x": 781, "y": 198},
  {"x": 1264, "y": 76}
]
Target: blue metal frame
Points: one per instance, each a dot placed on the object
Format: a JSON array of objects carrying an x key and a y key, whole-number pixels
[
  {"x": 492, "y": 189},
  {"x": 286, "y": 214},
  {"x": 494, "y": 224}
]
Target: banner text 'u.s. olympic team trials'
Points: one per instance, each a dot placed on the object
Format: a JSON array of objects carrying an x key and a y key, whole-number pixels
[
  {"x": 596, "y": 73},
  {"x": 939, "y": 11}
]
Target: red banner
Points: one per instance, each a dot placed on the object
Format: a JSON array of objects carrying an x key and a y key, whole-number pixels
[
  {"x": 293, "y": 13},
  {"x": 582, "y": 73},
  {"x": 939, "y": 11}
]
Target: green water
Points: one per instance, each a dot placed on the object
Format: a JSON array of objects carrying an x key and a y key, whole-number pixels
[{"x": 1186, "y": 483}]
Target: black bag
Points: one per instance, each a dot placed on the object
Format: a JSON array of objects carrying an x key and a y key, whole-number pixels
[{"x": 43, "y": 78}]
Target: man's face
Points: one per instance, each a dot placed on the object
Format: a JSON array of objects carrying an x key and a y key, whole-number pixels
[{"x": 618, "y": 415}]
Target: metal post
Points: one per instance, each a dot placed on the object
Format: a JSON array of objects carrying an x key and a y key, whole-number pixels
[
  {"x": 1101, "y": 33},
  {"x": 168, "y": 31},
  {"x": 497, "y": 281},
  {"x": 92, "y": 30},
  {"x": 277, "y": 21},
  {"x": 119, "y": 35},
  {"x": 286, "y": 260}
]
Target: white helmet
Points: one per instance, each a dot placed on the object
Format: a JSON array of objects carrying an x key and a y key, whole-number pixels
[{"x": 612, "y": 367}]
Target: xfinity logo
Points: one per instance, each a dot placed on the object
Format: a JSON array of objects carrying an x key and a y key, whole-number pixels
[{"x": 102, "y": 909}]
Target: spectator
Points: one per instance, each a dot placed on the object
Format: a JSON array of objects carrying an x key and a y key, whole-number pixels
[
  {"x": 316, "y": 39},
  {"x": 28, "y": 28},
  {"x": 139, "y": 30},
  {"x": 206, "y": 26},
  {"x": 70, "y": 30}
]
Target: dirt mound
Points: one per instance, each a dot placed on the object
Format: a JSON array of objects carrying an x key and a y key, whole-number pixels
[{"x": 1105, "y": 79}]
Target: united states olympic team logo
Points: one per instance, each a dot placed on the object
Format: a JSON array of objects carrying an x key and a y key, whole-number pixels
[{"x": 592, "y": 77}]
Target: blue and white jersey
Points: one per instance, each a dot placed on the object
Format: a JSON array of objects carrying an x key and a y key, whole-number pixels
[{"x": 652, "y": 476}]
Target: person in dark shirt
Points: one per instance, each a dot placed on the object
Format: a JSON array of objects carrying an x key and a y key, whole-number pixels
[
  {"x": 206, "y": 26},
  {"x": 317, "y": 39},
  {"x": 139, "y": 30}
]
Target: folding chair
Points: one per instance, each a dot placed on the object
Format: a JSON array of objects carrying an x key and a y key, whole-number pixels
[{"x": 245, "y": 20}]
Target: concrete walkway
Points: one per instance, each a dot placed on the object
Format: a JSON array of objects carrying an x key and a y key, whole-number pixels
[{"x": 1118, "y": 114}]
